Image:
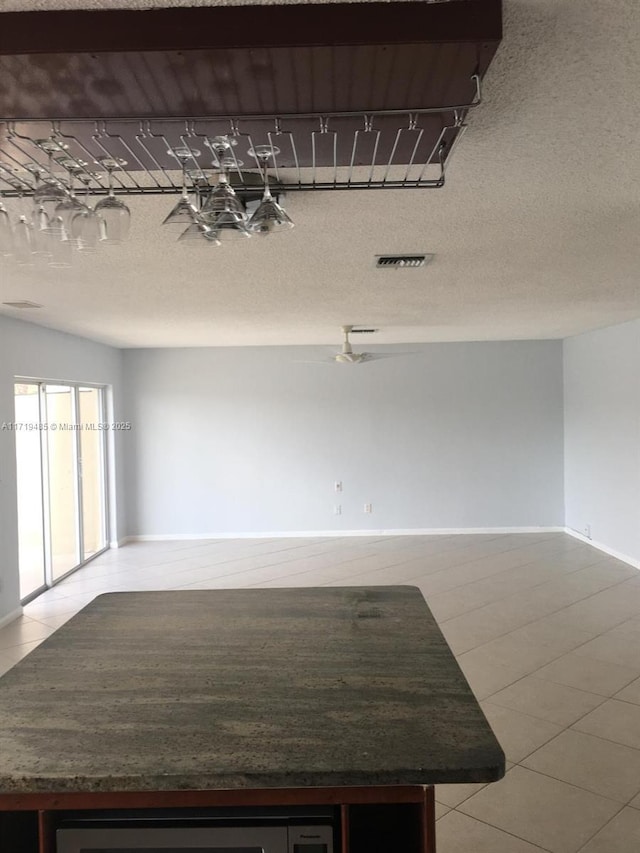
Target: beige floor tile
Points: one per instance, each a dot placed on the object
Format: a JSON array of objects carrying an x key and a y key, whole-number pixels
[
  {"x": 554, "y": 815},
  {"x": 546, "y": 699},
  {"x": 17, "y": 653},
  {"x": 458, "y": 833},
  {"x": 635, "y": 802},
  {"x": 616, "y": 721},
  {"x": 447, "y": 605},
  {"x": 631, "y": 627},
  {"x": 606, "y": 768},
  {"x": 22, "y": 630},
  {"x": 453, "y": 795},
  {"x": 55, "y": 621},
  {"x": 613, "y": 648},
  {"x": 519, "y": 734},
  {"x": 493, "y": 621},
  {"x": 499, "y": 587},
  {"x": 598, "y": 613},
  {"x": 486, "y": 678},
  {"x": 441, "y": 810},
  {"x": 564, "y": 638},
  {"x": 602, "y": 575},
  {"x": 46, "y": 606},
  {"x": 627, "y": 593},
  {"x": 5, "y": 664},
  {"x": 521, "y": 657},
  {"x": 621, "y": 835},
  {"x": 467, "y": 632},
  {"x": 588, "y": 674},
  {"x": 630, "y": 693}
]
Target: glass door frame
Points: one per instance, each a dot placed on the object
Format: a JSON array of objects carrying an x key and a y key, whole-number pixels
[{"x": 75, "y": 387}]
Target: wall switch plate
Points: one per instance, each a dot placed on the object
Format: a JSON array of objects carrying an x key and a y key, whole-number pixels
[
  {"x": 337, "y": 486},
  {"x": 337, "y": 510},
  {"x": 368, "y": 508}
]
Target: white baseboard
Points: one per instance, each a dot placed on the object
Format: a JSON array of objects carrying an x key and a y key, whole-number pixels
[
  {"x": 118, "y": 543},
  {"x": 15, "y": 614},
  {"x": 625, "y": 558},
  {"x": 310, "y": 534}
]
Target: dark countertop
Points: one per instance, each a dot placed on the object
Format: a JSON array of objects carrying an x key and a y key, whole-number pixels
[{"x": 253, "y": 688}]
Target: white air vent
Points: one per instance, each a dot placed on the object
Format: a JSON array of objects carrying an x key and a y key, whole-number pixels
[
  {"x": 397, "y": 262},
  {"x": 24, "y": 304}
]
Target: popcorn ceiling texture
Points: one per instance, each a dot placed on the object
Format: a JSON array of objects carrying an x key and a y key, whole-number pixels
[{"x": 535, "y": 232}]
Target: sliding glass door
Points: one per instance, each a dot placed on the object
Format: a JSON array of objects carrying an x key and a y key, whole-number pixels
[
  {"x": 62, "y": 503},
  {"x": 62, "y": 486},
  {"x": 30, "y": 495},
  {"x": 92, "y": 474}
]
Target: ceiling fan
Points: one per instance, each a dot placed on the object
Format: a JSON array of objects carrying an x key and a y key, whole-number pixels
[{"x": 348, "y": 356}]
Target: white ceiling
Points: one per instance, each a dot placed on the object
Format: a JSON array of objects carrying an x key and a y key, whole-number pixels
[{"x": 535, "y": 233}]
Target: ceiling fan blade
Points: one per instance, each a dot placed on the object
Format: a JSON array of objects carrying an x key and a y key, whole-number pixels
[
  {"x": 374, "y": 356},
  {"x": 326, "y": 363}
]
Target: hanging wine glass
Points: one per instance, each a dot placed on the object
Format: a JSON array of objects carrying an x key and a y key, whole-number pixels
[
  {"x": 86, "y": 225},
  {"x": 222, "y": 198},
  {"x": 269, "y": 217},
  {"x": 71, "y": 205},
  {"x": 223, "y": 211},
  {"x": 184, "y": 212},
  {"x": 23, "y": 242},
  {"x": 39, "y": 215},
  {"x": 200, "y": 183},
  {"x": 50, "y": 191},
  {"x": 115, "y": 214},
  {"x": 6, "y": 233},
  {"x": 60, "y": 244},
  {"x": 199, "y": 234}
]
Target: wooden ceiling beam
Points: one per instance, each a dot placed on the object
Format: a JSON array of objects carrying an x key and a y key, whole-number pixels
[{"x": 215, "y": 27}]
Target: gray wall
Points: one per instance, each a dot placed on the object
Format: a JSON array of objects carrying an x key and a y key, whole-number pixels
[
  {"x": 34, "y": 352},
  {"x": 602, "y": 436},
  {"x": 249, "y": 440}
]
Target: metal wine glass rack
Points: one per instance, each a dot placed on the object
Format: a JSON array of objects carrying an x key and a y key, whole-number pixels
[{"x": 389, "y": 149}]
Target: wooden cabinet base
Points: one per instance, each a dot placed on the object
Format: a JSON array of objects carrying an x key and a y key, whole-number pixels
[{"x": 372, "y": 820}]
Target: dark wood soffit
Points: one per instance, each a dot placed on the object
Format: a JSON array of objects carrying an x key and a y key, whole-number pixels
[{"x": 250, "y": 26}]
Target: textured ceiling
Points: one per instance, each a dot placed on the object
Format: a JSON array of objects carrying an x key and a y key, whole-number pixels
[{"x": 535, "y": 232}]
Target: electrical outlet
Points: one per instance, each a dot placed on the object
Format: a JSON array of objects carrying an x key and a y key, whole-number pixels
[
  {"x": 368, "y": 508},
  {"x": 337, "y": 510},
  {"x": 587, "y": 531}
]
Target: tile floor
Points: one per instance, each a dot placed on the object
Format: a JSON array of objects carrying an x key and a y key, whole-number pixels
[{"x": 546, "y": 629}]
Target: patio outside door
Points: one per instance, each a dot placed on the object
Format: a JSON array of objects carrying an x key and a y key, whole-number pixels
[{"x": 61, "y": 480}]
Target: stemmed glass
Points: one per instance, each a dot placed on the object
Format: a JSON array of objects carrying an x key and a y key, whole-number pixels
[
  {"x": 71, "y": 205},
  {"x": 39, "y": 224},
  {"x": 194, "y": 235},
  {"x": 60, "y": 244},
  {"x": 86, "y": 224},
  {"x": 6, "y": 233},
  {"x": 49, "y": 191},
  {"x": 223, "y": 210},
  {"x": 198, "y": 233},
  {"x": 184, "y": 212},
  {"x": 23, "y": 241},
  {"x": 269, "y": 217},
  {"x": 115, "y": 215}
]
